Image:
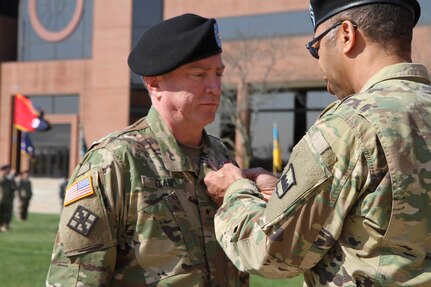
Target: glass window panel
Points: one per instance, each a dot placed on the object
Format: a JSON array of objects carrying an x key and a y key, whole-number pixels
[
  {"x": 66, "y": 105},
  {"x": 70, "y": 49},
  {"x": 58, "y": 135},
  {"x": 319, "y": 99},
  {"x": 261, "y": 131},
  {"x": 44, "y": 103},
  {"x": 40, "y": 52},
  {"x": 78, "y": 45},
  {"x": 145, "y": 15},
  {"x": 262, "y": 123},
  {"x": 57, "y": 104},
  {"x": 52, "y": 150}
]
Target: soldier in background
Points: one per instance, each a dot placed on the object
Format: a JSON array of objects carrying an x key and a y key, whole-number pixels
[
  {"x": 24, "y": 195},
  {"x": 353, "y": 205},
  {"x": 7, "y": 190},
  {"x": 136, "y": 212},
  {"x": 62, "y": 190}
]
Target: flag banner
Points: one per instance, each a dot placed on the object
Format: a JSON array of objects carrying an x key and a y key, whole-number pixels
[
  {"x": 26, "y": 145},
  {"x": 79, "y": 189},
  {"x": 277, "y": 163},
  {"x": 27, "y": 117},
  {"x": 82, "y": 144}
]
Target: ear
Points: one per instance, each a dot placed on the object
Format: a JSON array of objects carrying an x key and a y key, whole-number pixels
[
  {"x": 348, "y": 33},
  {"x": 152, "y": 84}
]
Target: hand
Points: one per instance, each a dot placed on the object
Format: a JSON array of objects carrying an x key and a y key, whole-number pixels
[
  {"x": 218, "y": 182},
  {"x": 264, "y": 180}
]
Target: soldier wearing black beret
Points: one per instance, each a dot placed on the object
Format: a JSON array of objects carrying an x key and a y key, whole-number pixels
[
  {"x": 175, "y": 42},
  {"x": 353, "y": 205},
  {"x": 7, "y": 191},
  {"x": 136, "y": 211}
]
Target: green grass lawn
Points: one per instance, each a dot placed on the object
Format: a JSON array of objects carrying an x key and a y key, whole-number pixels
[{"x": 25, "y": 252}]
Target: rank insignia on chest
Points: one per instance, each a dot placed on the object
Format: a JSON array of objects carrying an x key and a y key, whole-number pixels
[
  {"x": 286, "y": 181},
  {"x": 82, "y": 220},
  {"x": 79, "y": 189}
]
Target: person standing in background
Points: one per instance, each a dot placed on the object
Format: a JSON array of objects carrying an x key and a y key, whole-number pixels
[
  {"x": 62, "y": 191},
  {"x": 24, "y": 195},
  {"x": 7, "y": 189}
]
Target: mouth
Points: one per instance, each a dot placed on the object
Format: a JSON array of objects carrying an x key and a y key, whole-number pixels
[{"x": 210, "y": 104}]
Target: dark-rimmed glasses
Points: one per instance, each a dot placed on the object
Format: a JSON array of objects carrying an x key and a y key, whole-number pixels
[{"x": 310, "y": 45}]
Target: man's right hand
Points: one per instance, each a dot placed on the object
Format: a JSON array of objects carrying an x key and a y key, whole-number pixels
[{"x": 264, "y": 180}]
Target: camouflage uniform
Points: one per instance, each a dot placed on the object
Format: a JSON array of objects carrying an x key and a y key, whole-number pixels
[
  {"x": 353, "y": 205},
  {"x": 24, "y": 194},
  {"x": 149, "y": 221},
  {"x": 7, "y": 194}
]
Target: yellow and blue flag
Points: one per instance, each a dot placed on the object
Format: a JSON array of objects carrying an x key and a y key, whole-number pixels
[{"x": 277, "y": 163}]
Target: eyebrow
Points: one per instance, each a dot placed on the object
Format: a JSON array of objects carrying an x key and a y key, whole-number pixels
[{"x": 204, "y": 67}]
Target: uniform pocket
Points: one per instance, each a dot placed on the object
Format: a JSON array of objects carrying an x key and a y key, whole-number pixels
[
  {"x": 62, "y": 275},
  {"x": 167, "y": 246}
]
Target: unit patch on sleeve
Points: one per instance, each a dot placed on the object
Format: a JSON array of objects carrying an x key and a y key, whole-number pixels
[
  {"x": 82, "y": 220},
  {"x": 79, "y": 189},
  {"x": 286, "y": 181}
]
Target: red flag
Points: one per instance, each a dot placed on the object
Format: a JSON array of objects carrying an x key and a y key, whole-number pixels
[{"x": 27, "y": 117}]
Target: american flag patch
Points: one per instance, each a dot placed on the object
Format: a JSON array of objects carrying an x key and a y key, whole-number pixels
[{"x": 79, "y": 189}]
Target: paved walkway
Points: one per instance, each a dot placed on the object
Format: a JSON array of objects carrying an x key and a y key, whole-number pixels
[{"x": 45, "y": 195}]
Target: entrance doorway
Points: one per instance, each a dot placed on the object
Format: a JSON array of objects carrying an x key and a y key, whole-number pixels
[{"x": 52, "y": 152}]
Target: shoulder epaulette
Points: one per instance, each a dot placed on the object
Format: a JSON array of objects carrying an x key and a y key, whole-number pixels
[{"x": 138, "y": 125}]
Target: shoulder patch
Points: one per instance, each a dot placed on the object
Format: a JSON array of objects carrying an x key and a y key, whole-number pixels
[
  {"x": 79, "y": 189},
  {"x": 82, "y": 220},
  {"x": 286, "y": 181}
]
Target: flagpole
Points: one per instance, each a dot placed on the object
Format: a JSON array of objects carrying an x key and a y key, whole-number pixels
[
  {"x": 18, "y": 151},
  {"x": 15, "y": 159}
]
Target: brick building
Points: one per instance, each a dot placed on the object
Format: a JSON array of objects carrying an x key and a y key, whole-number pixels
[{"x": 70, "y": 58}]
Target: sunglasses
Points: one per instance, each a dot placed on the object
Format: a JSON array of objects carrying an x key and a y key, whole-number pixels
[{"x": 310, "y": 45}]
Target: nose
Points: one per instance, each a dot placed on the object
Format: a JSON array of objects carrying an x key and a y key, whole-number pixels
[{"x": 213, "y": 84}]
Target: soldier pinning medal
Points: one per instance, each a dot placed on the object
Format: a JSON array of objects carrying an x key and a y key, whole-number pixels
[{"x": 352, "y": 206}]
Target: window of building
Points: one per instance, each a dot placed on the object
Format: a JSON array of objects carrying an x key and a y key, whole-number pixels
[
  {"x": 317, "y": 102},
  {"x": 145, "y": 15},
  {"x": 55, "y": 16},
  {"x": 294, "y": 112},
  {"x": 52, "y": 148},
  {"x": 57, "y": 104}
]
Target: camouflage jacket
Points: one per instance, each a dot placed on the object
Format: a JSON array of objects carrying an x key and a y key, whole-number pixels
[
  {"x": 7, "y": 190},
  {"x": 137, "y": 214},
  {"x": 353, "y": 205},
  {"x": 24, "y": 189}
]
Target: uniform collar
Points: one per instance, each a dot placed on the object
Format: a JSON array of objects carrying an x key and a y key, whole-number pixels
[
  {"x": 408, "y": 71},
  {"x": 171, "y": 153}
]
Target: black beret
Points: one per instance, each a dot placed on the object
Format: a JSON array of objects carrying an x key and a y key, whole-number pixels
[
  {"x": 175, "y": 42},
  {"x": 322, "y": 10}
]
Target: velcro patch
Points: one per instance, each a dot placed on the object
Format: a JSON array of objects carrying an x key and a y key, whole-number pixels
[
  {"x": 286, "y": 181},
  {"x": 79, "y": 189},
  {"x": 82, "y": 220}
]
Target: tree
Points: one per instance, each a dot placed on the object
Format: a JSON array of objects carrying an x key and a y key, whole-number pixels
[{"x": 250, "y": 64}]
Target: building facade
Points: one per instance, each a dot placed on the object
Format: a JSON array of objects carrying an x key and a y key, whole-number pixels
[{"x": 70, "y": 58}]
